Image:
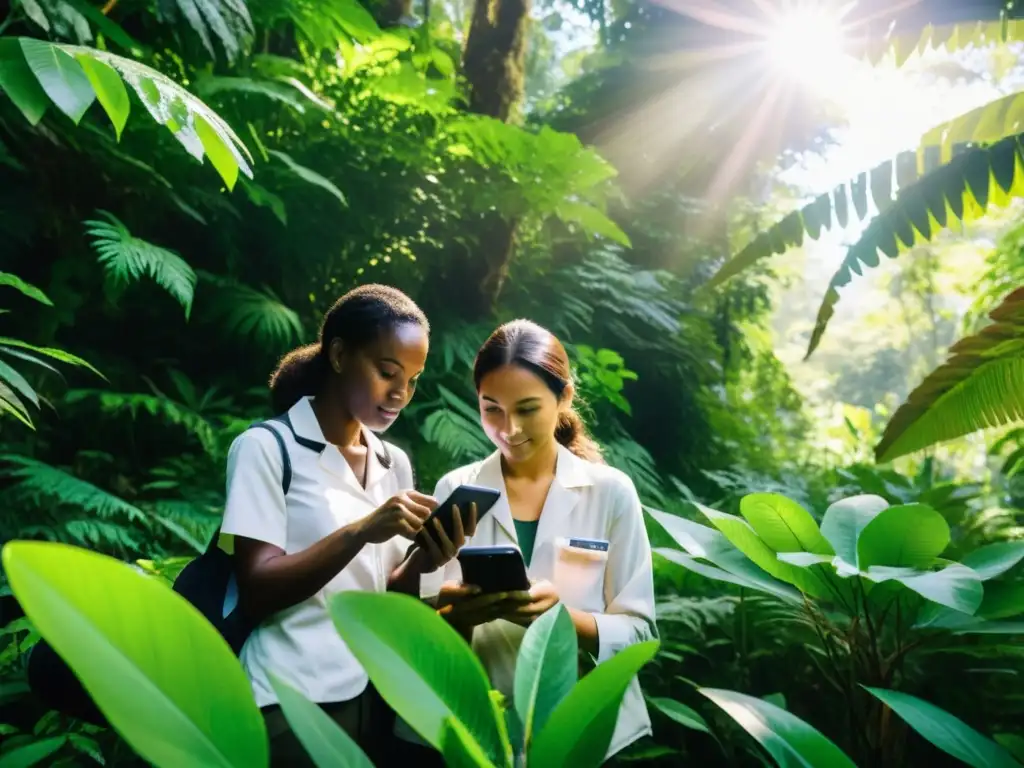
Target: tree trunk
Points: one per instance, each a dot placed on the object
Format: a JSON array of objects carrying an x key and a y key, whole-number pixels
[
  {"x": 493, "y": 66},
  {"x": 494, "y": 56}
]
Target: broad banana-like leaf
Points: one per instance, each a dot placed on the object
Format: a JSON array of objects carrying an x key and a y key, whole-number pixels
[
  {"x": 788, "y": 739},
  {"x": 980, "y": 385},
  {"x": 35, "y": 74},
  {"x": 950, "y": 734}
]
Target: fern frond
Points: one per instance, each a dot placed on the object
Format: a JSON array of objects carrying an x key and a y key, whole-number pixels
[
  {"x": 455, "y": 434},
  {"x": 43, "y": 484},
  {"x": 160, "y": 407},
  {"x": 247, "y": 312},
  {"x": 126, "y": 258},
  {"x": 980, "y": 386}
]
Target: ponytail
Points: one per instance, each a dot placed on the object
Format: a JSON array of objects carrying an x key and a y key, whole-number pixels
[
  {"x": 300, "y": 374},
  {"x": 572, "y": 433}
]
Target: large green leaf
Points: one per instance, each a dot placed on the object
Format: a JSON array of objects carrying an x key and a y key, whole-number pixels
[
  {"x": 742, "y": 573},
  {"x": 954, "y": 586},
  {"x": 905, "y": 536},
  {"x": 110, "y": 91},
  {"x": 73, "y": 76},
  {"x": 327, "y": 743},
  {"x": 845, "y": 519},
  {"x": 981, "y": 385},
  {"x": 546, "y": 669},
  {"x": 994, "y": 560},
  {"x": 421, "y": 666},
  {"x": 950, "y": 734},
  {"x": 728, "y": 564},
  {"x": 459, "y": 749},
  {"x": 61, "y": 77},
  {"x": 783, "y": 524},
  {"x": 680, "y": 713},
  {"x": 580, "y": 729},
  {"x": 1002, "y": 600},
  {"x": 746, "y": 540},
  {"x": 165, "y": 678},
  {"x": 31, "y": 754},
  {"x": 787, "y": 738},
  {"x": 19, "y": 83}
]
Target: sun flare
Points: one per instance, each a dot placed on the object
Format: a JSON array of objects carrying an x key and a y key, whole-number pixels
[{"x": 807, "y": 45}]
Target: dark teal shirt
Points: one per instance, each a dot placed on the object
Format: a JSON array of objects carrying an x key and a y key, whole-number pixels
[{"x": 526, "y": 532}]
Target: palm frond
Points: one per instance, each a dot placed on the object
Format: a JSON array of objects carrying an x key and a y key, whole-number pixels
[
  {"x": 227, "y": 20},
  {"x": 14, "y": 387},
  {"x": 35, "y": 74},
  {"x": 903, "y": 40},
  {"x": 45, "y": 485},
  {"x": 163, "y": 408},
  {"x": 980, "y": 386},
  {"x": 251, "y": 313},
  {"x": 127, "y": 258},
  {"x": 961, "y": 191}
]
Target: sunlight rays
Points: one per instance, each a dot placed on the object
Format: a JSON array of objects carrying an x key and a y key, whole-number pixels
[{"x": 739, "y": 82}]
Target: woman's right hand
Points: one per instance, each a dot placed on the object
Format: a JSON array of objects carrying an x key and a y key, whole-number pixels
[
  {"x": 465, "y": 607},
  {"x": 401, "y": 515}
]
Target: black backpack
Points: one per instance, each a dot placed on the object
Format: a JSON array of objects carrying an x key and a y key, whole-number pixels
[{"x": 208, "y": 582}]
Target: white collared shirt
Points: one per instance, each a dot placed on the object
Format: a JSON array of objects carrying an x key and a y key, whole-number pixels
[
  {"x": 586, "y": 500},
  {"x": 300, "y": 644}
]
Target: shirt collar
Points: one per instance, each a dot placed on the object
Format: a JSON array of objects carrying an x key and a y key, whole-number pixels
[
  {"x": 570, "y": 470},
  {"x": 307, "y": 428}
]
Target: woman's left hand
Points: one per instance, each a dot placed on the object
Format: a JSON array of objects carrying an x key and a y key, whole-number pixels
[
  {"x": 431, "y": 553},
  {"x": 544, "y": 597}
]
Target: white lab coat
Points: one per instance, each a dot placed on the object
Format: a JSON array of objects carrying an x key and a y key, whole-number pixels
[{"x": 586, "y": 500}]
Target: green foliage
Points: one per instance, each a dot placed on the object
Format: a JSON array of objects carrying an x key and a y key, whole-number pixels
[
  {"x": 787, "y": 738},
  {"x": 165, "y": 679},
  {"x": 948, "y": 733},
  {"x": 424, "y": 684},
  {"x": 326, "y": 743},
  {"x": 35, "y": 74},
  {"x": 126, "y": 258},
  {"x": 887, "y": 597},
  {"x": 978, "y": 387}
]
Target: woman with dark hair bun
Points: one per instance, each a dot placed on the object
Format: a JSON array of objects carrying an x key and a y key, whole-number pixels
[
  {"x": 577, "y": 522},
  {"x": 317, "y": 504}
]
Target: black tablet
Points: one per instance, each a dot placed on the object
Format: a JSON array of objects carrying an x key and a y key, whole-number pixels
[
  {"x": 494, "y": 569},
  {"x": 463, "y": 496}
]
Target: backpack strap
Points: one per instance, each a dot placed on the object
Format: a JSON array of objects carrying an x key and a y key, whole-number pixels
[
  {"x": 286, "y": 468},
  {"x": 286, "y": 461}
]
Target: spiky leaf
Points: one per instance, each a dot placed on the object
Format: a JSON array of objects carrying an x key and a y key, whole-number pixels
[{"x": 980, "y": 385}]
